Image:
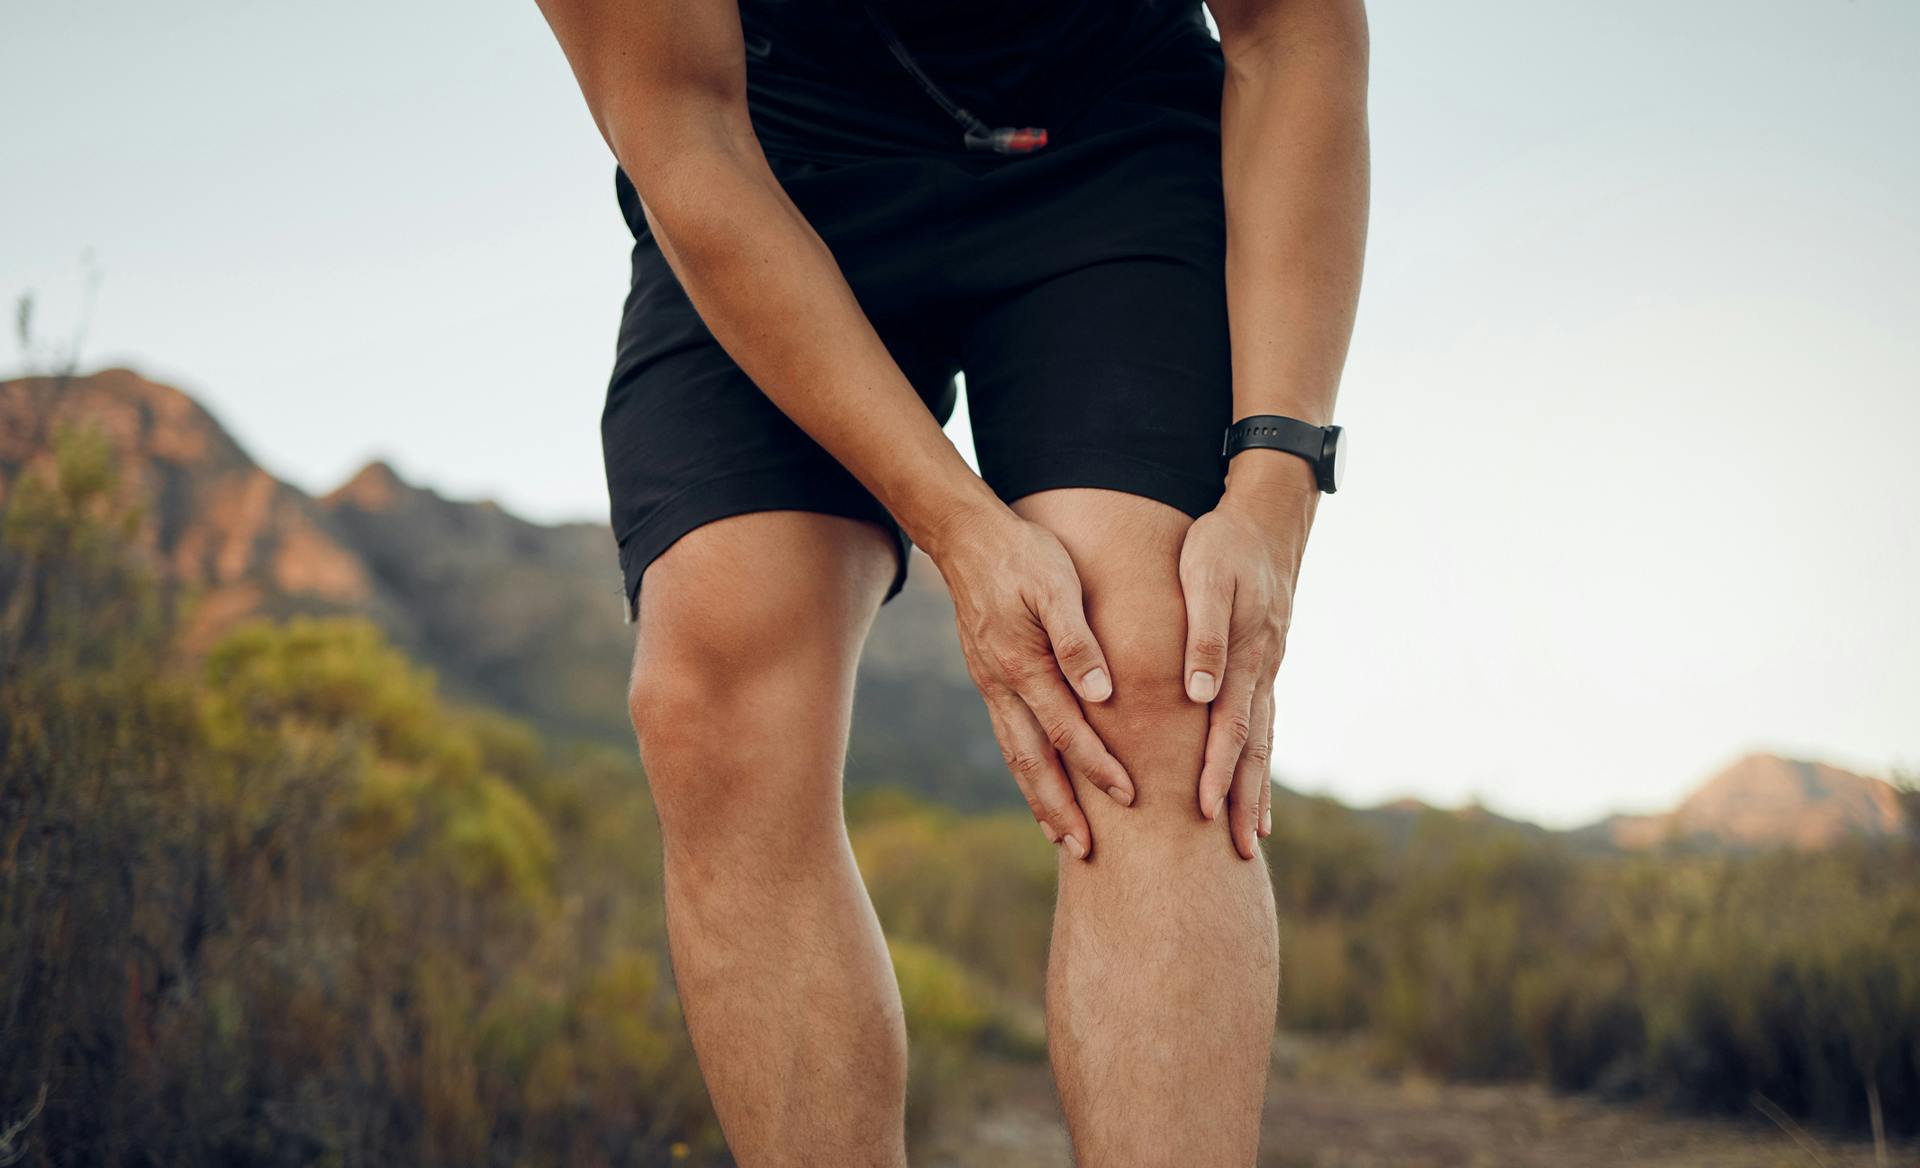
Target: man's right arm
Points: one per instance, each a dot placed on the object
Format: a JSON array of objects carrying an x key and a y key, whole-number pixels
[{"x": 666, "y": 83}]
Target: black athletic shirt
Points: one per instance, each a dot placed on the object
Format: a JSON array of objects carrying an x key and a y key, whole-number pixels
[{"x": 823, "y": 85}]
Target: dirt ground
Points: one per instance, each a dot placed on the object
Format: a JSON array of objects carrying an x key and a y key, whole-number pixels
[{"x": 1322, "y": 1116}]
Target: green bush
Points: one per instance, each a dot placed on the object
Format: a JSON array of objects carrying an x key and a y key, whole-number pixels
[{"x": 1480, "y": 951}]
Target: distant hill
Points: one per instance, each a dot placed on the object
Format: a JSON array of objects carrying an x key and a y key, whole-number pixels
[
  {"x": 519, "y": 615},
  {"x": 528, "y": 617},
  {"x": 1396, "y": 822},
  {"x": 1764, "y": 800}
]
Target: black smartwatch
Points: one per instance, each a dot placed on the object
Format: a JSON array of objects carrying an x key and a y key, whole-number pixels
[{"x": 1324, "y": 447}]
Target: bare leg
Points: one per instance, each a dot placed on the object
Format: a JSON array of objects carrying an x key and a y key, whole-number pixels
[
  {"x": 1163, "y": 978},
  {"x": 749, "y": 632}
]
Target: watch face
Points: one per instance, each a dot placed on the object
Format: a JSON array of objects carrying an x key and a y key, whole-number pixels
[{"x": 1337, "y": 439}]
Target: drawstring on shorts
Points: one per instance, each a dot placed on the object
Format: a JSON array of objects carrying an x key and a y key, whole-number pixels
[{"x": 979, "y": 135}]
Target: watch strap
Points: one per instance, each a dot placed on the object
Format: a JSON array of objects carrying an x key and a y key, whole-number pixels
[
  {"x": 1274, "y": 432},
  {"x": 1320, "y": 446}
]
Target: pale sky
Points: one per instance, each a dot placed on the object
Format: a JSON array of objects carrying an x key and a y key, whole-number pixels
[{"x": 1634, "y": 395}]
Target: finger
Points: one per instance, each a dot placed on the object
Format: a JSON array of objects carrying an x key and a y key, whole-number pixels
[
  {"x": 1075, "y": 648},
  {"x": 1036, "y": 769},
  {"x": 1229, "y": 726},
  {"x": 1209, "y": 612},
  {"x": 1266, "y": 788},
  {"x": 1065, "y": 729},
  {"x": 1014, "y": 751},
  {"x": 1251, "y": 775}
]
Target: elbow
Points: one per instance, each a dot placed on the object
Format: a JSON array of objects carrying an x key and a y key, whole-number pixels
[
  {"x": 691, "y": 187},
  {"x": 670, "y": 149}
]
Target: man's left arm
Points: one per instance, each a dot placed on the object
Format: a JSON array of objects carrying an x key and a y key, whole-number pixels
[{"x": 1294, "y": 161}]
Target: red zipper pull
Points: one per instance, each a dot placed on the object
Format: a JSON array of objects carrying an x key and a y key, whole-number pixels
[
  {"x": 1024, "y": 140},
  {"x": 1010, "y": 140}
]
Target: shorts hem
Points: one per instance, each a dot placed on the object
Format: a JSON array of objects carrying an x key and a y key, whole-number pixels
[
  {"x": 744, "y": 493},
  {"x": 1109, "y": 470}
]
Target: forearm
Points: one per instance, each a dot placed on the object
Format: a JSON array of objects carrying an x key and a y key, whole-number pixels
[
  {"x": 1294, "y": 162},
  {"x": 773, "y": 295}
]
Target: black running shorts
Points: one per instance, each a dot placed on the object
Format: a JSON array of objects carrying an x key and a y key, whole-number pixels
[{"x": 1081, "y": 289}]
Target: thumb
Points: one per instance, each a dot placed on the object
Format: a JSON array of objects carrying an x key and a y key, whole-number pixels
[
  {"x": 1209, "y": 615},
  {"x": 1076, "y": 649}
]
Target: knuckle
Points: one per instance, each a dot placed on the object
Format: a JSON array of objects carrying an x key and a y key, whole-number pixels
[
  {"x": 1237, "y": 727},
  {"x": 1072, "y": 649},
  {"x": 1060, "y": 732},
  {"x": 1013, "y": 664},
  {"x": 1196, "y": 567},
  {"x": 1210, "y": 645},
  {"x": 1025, "y": 764}
]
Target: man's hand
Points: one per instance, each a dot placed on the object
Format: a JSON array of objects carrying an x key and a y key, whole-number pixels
[
  {"x": 1238, "y": 568},
  {"x": 1024, "y": 631}
]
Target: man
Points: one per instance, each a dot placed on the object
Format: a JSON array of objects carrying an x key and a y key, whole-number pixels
[{"x": 1128, "y": 235}]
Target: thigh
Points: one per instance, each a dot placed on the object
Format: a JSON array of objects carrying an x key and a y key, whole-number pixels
[
  {"x": 1114, "y": 375},
  {"x": 767, "y": 592}
]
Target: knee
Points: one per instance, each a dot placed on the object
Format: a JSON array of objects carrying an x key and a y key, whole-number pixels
[
  {"x": 1142, "y": 630},
  {"x": 728, "y": 706},
  {"x": 675, "y": 702},
  {"x": 1150, "y": 725}
]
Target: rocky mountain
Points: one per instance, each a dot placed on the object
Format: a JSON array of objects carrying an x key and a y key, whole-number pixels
[
  {"x": 1763, "y": 800},
  {"x": 523, "y": 616},
  {"x": 212, "y": 520},
  {"x": 519, "y": 615}
]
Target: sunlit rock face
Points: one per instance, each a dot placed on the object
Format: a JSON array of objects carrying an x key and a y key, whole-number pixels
[
  {"x": 1764, "y": 800},
  {"x": 239, "y": 540}
]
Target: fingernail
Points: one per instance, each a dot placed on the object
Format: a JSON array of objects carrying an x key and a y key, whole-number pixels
[
  {"x": 1217, "y": 805},
  {"x": 1096, "y": 686},
  {"x": 1075, "y": 848},
  {"x": 1266, "y": 821},
  {"x": 1046, "y": 829},
  {"x": 1121, "y": 795},
  {"x": 1200, "y": 686}
]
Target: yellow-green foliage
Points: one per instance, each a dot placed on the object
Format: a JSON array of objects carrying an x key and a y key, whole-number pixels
[
  {"x": 949, "y": 1014},
  {"x": 1481, "y": 951},
  {"x": 976, "y": 886},
  {"x": 295, "y": 907},
  {"x": 944, "y": 1003},
  {"x": 422, "y": 785}
]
